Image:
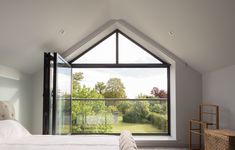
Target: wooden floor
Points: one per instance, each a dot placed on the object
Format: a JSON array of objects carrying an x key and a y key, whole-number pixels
[{"x": 159, "y": 148}]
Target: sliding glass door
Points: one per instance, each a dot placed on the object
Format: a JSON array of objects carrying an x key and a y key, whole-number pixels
[
  {"x": 57, "y": 95},
  {"x": 62, "y": 96}
]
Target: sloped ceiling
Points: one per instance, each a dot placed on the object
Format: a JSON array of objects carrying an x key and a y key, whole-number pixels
[
  {"x": 200, "y": 32},
  {"x": 30, "y": 27}
]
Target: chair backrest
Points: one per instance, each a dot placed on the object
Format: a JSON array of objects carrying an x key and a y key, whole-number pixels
[
  {"x": 7, "y": 110},
  {"x": 213, "y": 112}
]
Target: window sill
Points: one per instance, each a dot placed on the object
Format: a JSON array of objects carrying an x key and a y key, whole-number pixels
[{"x": 154, "y": 138}]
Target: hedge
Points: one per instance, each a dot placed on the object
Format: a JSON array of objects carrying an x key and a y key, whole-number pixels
[{"x": 159, "y": 121}]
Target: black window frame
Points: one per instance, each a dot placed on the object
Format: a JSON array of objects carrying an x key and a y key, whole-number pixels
[{"x": 129, "y": 65}]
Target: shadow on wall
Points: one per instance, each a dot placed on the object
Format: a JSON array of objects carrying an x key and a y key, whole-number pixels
[
  {"x": 16, "y": 87},
  {"x": 225, "y": 119}
]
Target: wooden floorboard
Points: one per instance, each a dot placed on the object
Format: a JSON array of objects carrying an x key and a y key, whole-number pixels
[{"x": 159, "y": 148}]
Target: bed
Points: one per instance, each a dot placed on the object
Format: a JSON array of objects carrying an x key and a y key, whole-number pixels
[{"x": 13, "y": 136}]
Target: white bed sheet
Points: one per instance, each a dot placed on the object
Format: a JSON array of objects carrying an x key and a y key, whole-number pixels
[{"x": 56, "y": 142}]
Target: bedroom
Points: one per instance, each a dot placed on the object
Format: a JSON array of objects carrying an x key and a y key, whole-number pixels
[{"x": 195, "y": 37}]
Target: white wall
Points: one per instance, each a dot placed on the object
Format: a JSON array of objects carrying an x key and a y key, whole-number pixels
[
  {"x": 188, "y": 97},
  {"x": 37, "y": 103},
  {"x": 219, "y": 88},
  {"x": 17, "y": 88}
]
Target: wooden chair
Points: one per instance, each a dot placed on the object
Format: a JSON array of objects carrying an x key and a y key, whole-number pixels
[{"x": 203, "y": 123}]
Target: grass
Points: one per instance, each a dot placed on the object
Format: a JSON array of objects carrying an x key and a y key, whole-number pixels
[{"x": 134, "y": 127}]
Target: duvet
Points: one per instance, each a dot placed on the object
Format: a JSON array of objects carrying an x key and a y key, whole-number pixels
[
  {"x": 72, "y": 142},
  {"x": 13, "y": 136}
]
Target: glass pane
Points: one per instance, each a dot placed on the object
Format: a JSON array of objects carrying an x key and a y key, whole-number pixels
[
  {"x": 129, "y": 52},
  {"x": 51, "y": 97},
  {"x": 105, "y": 52},
  {"x": 109, "y": 100},
  {"x": 143, "y": 117},
  {"x": 63, "y": 97}
]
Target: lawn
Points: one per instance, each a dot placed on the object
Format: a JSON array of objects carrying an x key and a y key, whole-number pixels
[
  {"x": 134, "y": 127},
  {"x": 144, "y": 128}
]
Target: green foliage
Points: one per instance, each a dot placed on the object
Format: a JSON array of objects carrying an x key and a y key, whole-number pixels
[
  {"x": 150, "y": 112},
  {"x": 112, "y": 109},
  {"x": 123, "y": 106},
  {"x": 86, "y": 107},
  {"x": 138, "y": 114},
  {"x": 99, "y": 128},
  {"x": 131, "y": 117},
  {"x": 104, "y": 127},
  {"x": 144, "y": 96},
  {"x": 114, "y": 89},
  {"x": 160, "y": 108},
  {"x": 84, "y": 92},
  {"x": 100, "y": 87},
  {"x": 81, "y": 110},
  {"x": 141, "y": 108},
  {"x": 158, "y": 120},
  {"x": 77, "y": 77}
]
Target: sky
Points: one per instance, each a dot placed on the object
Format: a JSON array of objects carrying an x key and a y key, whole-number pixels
[
  {"x": 105, "y": 52},
  {"x": 136, "y": 80}
]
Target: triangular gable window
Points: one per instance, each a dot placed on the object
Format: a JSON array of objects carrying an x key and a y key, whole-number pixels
[
  {"x": 117, "y": 48},
  {"x": 118, "y": 70},
  {"x": 104, "y": 52},
  {"x": 130, "y": 52}
]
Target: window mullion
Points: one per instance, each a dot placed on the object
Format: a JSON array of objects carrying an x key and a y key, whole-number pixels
[{"x": 117, "y": 48}]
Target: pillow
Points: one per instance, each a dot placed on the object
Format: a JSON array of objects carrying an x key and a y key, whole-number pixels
[
  {"x": 12, "y": 129},
  {"x": 7, "y": 110},
  {"x": 126, "y": 141}
]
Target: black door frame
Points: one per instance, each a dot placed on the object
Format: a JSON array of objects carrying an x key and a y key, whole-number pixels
[
  {"x": 48, "y": 58},
  {"x": 46, "y": 94}
]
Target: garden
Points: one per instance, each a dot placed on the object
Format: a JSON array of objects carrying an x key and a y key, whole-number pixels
[{"x": 105, "y": 109}]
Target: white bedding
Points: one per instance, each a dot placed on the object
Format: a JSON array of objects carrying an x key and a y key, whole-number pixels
[{"x": 73, "y": 142}]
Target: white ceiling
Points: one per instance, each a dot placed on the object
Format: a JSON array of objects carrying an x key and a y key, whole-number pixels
[{"x": 203, "y": 30}]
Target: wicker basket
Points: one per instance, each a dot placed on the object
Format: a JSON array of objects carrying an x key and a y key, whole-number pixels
[{"x": 219, "y": 140}]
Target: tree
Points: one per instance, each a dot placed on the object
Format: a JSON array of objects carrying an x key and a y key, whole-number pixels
[
  {"x": 114, "y": 89},
  {"x": 159, "y": 93},
  {"x": 158, "y": 108},
  {"x": 124, "y": 106},
  {"x": 162, "y": 94},
  {"x": 155, "y": 91},
  {"x": 82, "y": 109},
  {"x": 100, "y": 87},
  {"x": 144, "y": 96},
  {"x": 139, "y": 113},
  {"x": 77, "y": 77}
]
